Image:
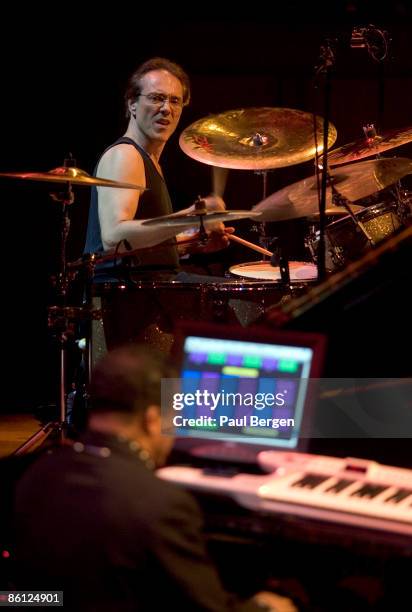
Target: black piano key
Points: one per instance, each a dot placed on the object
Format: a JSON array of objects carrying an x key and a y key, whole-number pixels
[
  {"x": 398, "y": 496},
  {"x": 310, "y": 481},
  {"x": 369, "y": 490},
  {"x": 339, "y": 486}
]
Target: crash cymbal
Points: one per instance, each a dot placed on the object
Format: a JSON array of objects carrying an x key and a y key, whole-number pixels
[
  {"x": 254, "y": 138},
  {"x": 187, "y": 219},
  {"x": 355, "y": 182},
  {"x": 366, "y": 147},
  {"x": 72, "y": 175}
]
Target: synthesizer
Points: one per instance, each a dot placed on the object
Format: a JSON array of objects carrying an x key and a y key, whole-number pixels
[{"x": 351, "y": 491}]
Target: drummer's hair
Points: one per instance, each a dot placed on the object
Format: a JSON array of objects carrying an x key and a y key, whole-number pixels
[
  {"x": 133, "y": 87},
  {"x": 127, "y": 380}
]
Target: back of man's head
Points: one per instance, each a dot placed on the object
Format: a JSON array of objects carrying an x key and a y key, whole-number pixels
[{"x": 128, "y": 379}]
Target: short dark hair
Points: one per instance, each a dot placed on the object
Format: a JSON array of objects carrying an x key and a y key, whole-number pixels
[
  {"x": 128, "y": 380},
  {"x": 156, "y": 63}
]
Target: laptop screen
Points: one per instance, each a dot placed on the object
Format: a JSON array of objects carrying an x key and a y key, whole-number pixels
[{"x": 244, "y": 387}]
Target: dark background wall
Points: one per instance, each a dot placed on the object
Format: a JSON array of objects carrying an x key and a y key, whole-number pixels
[{"x": 62, "y": 80}]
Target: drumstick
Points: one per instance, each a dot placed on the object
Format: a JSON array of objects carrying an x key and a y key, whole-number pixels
[
  {"x": 219, "y": 178},
  {"x": 252, "y": 246}
]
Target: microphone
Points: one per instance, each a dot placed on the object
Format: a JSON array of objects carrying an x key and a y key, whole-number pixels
[
  {"x": 81, "y": 343},
  {"x": 357, "y": 40},
  {"x": 375, "y": 40}
]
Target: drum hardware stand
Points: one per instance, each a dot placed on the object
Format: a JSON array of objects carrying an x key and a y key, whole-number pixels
[
  {"x": 403, "y": 207},
  {"x": 86, "y": 314},
  {"x": 310, "y": 242},
  {"x": 264, "y": 240},
  {"x": 340, "y": 200},
  {"x": 201, "y": 211},
  {"x": 280, "y": 259},
  {"x": 60, "y": 319},
  {"x": 377, "y": 42},
  {"x": 371, "y": 134}
]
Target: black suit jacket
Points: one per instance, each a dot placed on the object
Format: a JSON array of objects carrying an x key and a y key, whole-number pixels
[{"x": 112, "y": 536}]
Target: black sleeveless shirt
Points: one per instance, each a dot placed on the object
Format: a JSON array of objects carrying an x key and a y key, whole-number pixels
[{"x": 155, "y": 202}]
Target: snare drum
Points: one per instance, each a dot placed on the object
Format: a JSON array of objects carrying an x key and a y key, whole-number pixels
[{"x": 299, "y": 271}]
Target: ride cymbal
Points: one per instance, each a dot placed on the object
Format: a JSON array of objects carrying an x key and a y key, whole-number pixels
[
  {"x": 72, "y": 175},
  {"x": 366, "y": 147},
  {"x": 355, "y": 182},
  {"x": 255, "y": 138}
]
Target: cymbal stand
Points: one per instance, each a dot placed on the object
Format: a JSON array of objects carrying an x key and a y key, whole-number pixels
[
  {"x": 278, "y": 257},
  {"x": 264, "y": 240},
  {"x": 59, "y": 321},
  {"x": 201, "y": 211}
]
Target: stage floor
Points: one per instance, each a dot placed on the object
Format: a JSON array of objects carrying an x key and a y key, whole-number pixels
[{"x": 14, "y": 430}]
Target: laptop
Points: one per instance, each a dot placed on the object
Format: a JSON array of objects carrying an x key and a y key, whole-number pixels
[{"x": 243, "y": 390}]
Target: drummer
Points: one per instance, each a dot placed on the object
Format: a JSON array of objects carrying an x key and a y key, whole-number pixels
[{"x": 155, "y": 96}]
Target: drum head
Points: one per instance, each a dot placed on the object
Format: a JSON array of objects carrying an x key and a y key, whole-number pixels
[{"x": 263, "y": 270}]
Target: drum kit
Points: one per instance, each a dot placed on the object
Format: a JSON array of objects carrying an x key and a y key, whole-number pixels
[
  {"x": 260, "y": 140},
  {"x": 263, "y": 139}
]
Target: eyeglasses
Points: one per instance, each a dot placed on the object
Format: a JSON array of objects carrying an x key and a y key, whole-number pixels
[{"x": 158, "y": 99}]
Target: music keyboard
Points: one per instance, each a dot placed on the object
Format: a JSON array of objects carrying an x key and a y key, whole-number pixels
[{"x": 349, "y": 491}]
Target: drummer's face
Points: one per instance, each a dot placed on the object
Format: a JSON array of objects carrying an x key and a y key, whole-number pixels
[{"x": 159, "y": 105}]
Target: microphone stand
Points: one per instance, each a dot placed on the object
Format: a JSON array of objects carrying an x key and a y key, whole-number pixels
[{"x": 326, "y": 63}]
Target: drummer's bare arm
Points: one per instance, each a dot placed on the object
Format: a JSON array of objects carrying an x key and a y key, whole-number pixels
[{"x": 117, "y": 207}]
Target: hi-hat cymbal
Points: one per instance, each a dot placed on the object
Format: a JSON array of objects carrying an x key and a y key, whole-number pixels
[
  {"x": 366, "y": 147},
  {"x": 355, "y": 182},
  {"x": 73, "y": 175},
  {"x": 187, "y": 219},
  {"x": 255, "y": 138}
]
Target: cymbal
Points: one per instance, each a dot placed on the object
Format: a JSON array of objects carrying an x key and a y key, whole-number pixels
[
  {"x": 338, "y": 211},
  {"x": 254, "y": 138},
  {"x": 355, "y": 182},
  {"x": 73, "y": 175},
  {"x": 187, "y": 219},
  {"x": 366, "y": 147}
]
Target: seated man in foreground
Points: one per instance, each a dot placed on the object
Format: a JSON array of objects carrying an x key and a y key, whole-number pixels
[{"x": 93, "y": 520}]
